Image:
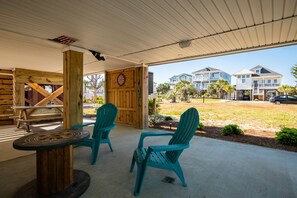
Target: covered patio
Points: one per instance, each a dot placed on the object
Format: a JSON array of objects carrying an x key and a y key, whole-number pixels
[
  {"x": 212, "y": 168},
  {"x": 122, "y": 39}
]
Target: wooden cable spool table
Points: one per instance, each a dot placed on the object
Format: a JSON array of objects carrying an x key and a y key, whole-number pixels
[{"x": 55, "y": 174}]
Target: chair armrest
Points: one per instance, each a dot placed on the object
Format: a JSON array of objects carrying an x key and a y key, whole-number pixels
[
  {"x": 147, "y": 134},
  {"x": 81, "y": 125},
  {"x": 171, "y": 147},
  {"x": 108, "y": 128}
]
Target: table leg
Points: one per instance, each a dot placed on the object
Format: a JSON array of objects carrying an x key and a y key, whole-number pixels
[
  {"x": 27, "y": 123},
  {"x": 20, "y": 117}
]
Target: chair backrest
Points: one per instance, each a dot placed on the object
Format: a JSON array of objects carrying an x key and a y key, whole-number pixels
[
  {"x": 185, "y": 131},
  {"x": 106, "y": 115}
]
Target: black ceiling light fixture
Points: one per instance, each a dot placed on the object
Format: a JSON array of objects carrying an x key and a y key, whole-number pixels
[
  {"x": 185, "y": 43},
  {"x": 97, "y": 55}
]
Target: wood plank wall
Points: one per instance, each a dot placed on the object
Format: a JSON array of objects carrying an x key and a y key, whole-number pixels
[
  {"x": 124, "y": 97},
  {"x": 6, "y": 97}
]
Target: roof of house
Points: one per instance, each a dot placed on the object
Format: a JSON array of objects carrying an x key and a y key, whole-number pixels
[
  {"x": 244, "y": 71},
  {"x": 207, "y": 69},
  {"x": 181, "y": 75},
  {"x": 265, "y": 71}
]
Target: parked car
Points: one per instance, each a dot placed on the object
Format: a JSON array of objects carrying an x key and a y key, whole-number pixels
[
  {"x": 246, "y": 97},
  {"x": 285, "y": 99}
]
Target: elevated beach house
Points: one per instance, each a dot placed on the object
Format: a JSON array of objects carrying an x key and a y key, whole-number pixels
[
  {"x": 177, "y": 78},
  {"x": 257, "y": 83},
  {"x": 203, "y": 77}
]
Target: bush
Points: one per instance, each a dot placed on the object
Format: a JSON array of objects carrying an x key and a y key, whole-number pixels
[
  {"x": 214, "y": 96},
  {"x": 206, "y": 95},
  {"x": 287, "y": 136},
  {"x": 99, "y": 100},
  {"x": 200, "y": 126},
  {"x": 168, "y": 118},
  {"x": 87, "y": 100},
  {"x": 151, "y": 106},
  {"x": 154, "y": 119},
  {"x": 231, "y": 129}
]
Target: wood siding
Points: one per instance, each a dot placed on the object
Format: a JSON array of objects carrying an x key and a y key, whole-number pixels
[
  {"x": 6, "y": 97},
  {"x": 124, "y": 97}
]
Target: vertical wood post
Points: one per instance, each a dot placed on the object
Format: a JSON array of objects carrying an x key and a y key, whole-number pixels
[
  {"x": 154, "y": 106},
  {"x": 105, "y": 88},
  {"x": 142, "y": 97},
  {"x": 55, "y": 167},
  {"x": 73, "y": 103},
  {"x": 18, "y": 94},
  {"x": 73, "y": 88}
]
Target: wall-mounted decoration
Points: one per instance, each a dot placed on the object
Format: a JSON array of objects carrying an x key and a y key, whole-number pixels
[{"x": 121, "y": 79}]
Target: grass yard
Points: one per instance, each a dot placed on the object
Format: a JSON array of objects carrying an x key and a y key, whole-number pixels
[{"x": 249, "y": 115}]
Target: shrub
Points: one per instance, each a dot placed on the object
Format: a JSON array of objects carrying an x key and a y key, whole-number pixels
[
  {"x": 200, "y": 126},
  {"x": 99, "y": 100},
  {"x": 168, "y": 118},
  {"x": 206, "y": 95},
  {"x": 87, "y": 100},
  {"x": 150, "y": 106},
  {"x": 154, "y": 119},
  {"x": 214, "y": 96},
  {"x": 287, "y": 136},
  {"x": 231, "y": 129}
]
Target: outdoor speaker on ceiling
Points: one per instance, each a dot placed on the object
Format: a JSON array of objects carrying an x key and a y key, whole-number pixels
[{"x": 97, "y": 55}]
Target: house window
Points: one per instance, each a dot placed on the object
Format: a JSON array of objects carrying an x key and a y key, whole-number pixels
[
  {"x": 275, "y": 81},
  {"x": 269, "y": 81},
  {"x": 247, "y": 76},
  {"x": 257, "y": 71},
  {"x": 243, "y": 80},
  {"x": 239, "y": 76},
  {"x": 243, "y": 76}
]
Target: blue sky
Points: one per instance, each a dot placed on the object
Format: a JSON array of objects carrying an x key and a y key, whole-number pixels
[{"x": 277, "y": 59}]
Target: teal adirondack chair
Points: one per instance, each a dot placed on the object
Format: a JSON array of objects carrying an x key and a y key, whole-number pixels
[
  {"x": 106, "y": 116},
  {"x": 165, "y": 156}
]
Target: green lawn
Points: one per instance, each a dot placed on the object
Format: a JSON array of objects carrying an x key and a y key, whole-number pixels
[{"x": 254, "y": 114}]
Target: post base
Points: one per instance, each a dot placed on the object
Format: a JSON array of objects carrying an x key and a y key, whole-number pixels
[{"x": 81, "y": 182}]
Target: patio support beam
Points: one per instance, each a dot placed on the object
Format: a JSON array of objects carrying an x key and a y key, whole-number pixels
[
  {"x": 73, "y": 88},
  {"x": 60, "y": 177},
  {"x": 142, "y": 97}
]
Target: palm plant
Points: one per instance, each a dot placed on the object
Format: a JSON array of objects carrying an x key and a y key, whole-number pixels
[
  {"x": 219, "y": 86},
  {"x": 287, "y": 89},
  {"x": 229, "y": 89},
  {"x": 211, "y": 89},
  {"x": 185, "y": 88},
  {"x": 172, "y": 95}
]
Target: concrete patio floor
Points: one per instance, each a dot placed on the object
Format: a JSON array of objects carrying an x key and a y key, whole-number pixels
[{"x": 212, "y": 168}]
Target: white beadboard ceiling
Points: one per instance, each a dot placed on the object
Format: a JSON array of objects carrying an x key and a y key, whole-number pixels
[{"x": 131, "y": 32}]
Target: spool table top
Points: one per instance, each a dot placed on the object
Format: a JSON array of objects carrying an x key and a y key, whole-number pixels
[{"x": 50, "y": 139}]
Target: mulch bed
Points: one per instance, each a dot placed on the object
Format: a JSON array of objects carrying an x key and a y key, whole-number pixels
[{"x": 256, "y": 137}]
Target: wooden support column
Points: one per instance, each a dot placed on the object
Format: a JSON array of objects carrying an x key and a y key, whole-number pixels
[
  {"x": 142, "y": 97},
  {"x": 18, "y": 94},
  {"x": 73, "y": 88},
  {"x": 55, "y": 167},
  {"x": 105, "y": 87}
]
